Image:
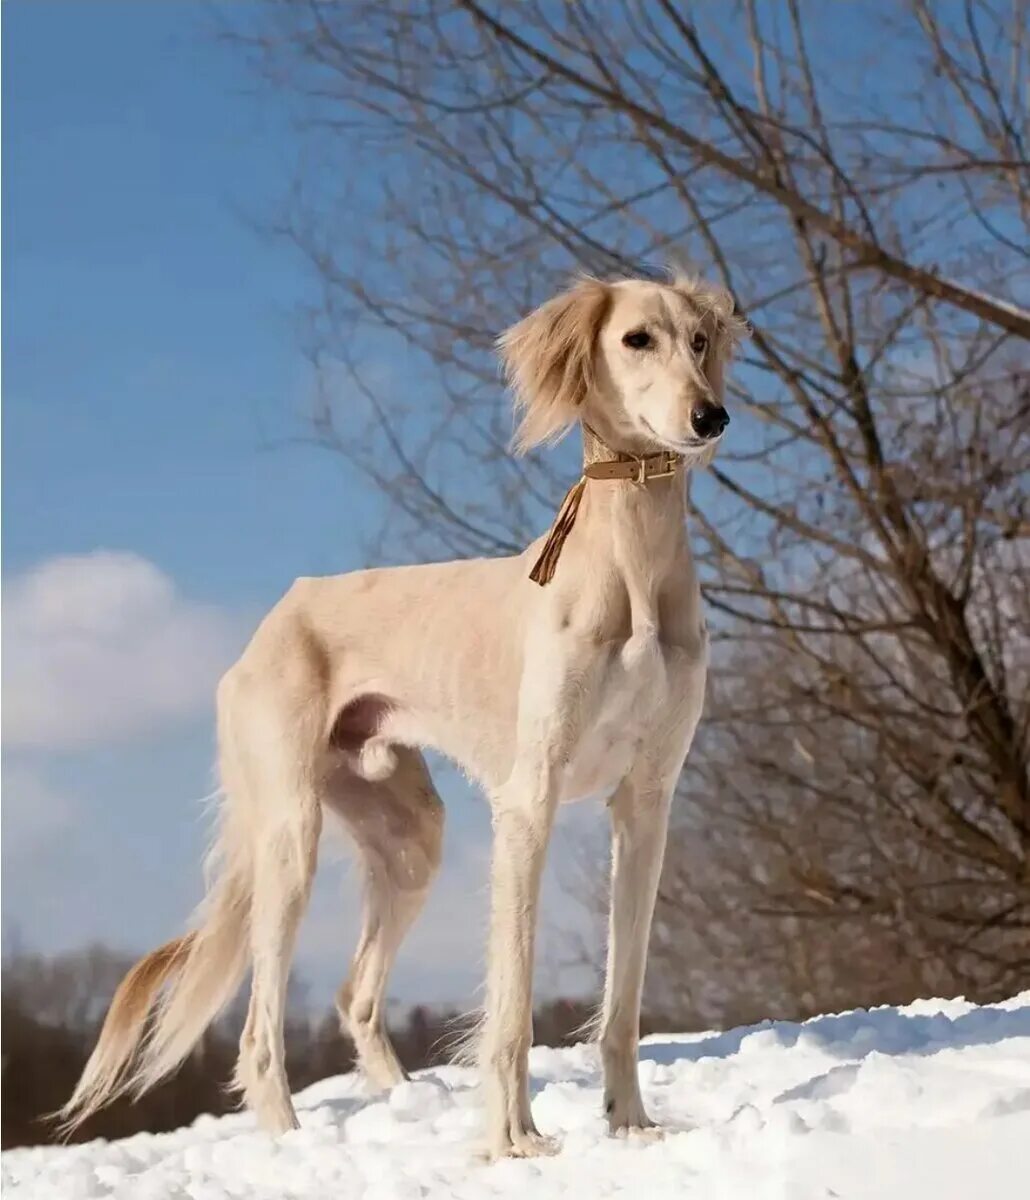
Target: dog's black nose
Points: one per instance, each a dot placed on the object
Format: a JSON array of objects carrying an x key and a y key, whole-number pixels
[{"x": 709, "y": 420}]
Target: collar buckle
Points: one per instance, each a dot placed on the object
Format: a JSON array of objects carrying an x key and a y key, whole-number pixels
[{"x": 665, "y": 464}]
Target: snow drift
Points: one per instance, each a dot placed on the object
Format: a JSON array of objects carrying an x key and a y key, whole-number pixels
[{"x": 927, "y": 1101}]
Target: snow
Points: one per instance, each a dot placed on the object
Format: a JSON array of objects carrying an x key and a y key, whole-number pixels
[{"x": 927, "y": 1101}]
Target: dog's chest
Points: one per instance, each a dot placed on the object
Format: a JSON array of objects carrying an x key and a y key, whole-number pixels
[{"x": 634, "y": 694}]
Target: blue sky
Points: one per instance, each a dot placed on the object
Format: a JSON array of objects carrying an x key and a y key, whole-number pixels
[{"x": 155, "y": 505}]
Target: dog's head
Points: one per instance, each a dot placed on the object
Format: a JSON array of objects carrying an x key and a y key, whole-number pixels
[{"x": 641, "y": 362}]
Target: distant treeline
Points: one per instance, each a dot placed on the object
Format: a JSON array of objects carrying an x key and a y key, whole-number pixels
[{"x": 53, "y": 1007}]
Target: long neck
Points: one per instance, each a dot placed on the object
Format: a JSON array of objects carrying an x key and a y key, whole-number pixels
[
  {"x": 640, "y": 529},
  {"x": 666, "y": 497}
]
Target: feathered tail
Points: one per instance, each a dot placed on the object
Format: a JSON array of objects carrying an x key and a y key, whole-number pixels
[{"x": 185, "y": 984}]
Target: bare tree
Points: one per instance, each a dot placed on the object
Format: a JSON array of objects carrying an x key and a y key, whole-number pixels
[{"x": 864, "y": 766}]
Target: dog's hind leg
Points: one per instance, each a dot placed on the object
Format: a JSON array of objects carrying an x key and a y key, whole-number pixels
[
  {"x": 285, "y": 866},
  {"x": 397, "y": 825},
  {"x": 275, "y": 745}
]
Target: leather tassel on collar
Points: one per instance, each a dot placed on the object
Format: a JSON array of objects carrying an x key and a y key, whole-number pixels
[{"x": 547, "y": 563}]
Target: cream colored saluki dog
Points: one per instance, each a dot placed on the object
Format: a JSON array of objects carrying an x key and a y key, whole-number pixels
[{"x": 592, "y": 684}]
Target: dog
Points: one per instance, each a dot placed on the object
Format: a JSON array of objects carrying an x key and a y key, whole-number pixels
[{"x": 572, "y": 670}]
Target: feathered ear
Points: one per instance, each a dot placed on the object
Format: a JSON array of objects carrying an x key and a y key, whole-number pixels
[
  {"x": 549, "y": 361},
  {"x": 733, "y": 325}
]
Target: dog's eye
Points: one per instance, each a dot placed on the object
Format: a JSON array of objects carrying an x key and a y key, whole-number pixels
[
  {"x": 637, "y": 339},
  {"x": 699, "y": 343}
]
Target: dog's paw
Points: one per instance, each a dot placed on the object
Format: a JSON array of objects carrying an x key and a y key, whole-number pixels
[
  {"x": 625, "y": 1113},
  {"x": 525, "y": 1143},
  {"x": 641, "y": 1133}
]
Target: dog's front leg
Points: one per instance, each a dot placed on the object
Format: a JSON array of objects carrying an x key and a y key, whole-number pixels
[
  {"x": 639, "y": 815},
  {"x": 523, "y": 814}
]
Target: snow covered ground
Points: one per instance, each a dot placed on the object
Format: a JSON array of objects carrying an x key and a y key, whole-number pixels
[{"x": 928, "y": 1101}]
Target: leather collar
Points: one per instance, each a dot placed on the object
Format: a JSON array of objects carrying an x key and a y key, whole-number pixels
[{"x": 623, "y": 466}]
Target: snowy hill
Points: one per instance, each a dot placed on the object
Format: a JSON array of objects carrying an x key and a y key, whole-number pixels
[{"x": 932, "y": 1100}]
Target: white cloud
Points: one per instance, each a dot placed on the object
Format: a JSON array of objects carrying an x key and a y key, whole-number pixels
[{"x": 101, "y": 647}]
